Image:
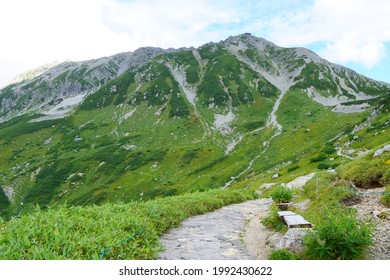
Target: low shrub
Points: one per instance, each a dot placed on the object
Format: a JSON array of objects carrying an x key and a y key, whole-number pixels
[
  {"x": 282, "y": 255},
  {"x": 326, "y": 166},
  {"x": 272, "y": 221},
  {"x": 329, "y": 150},
  {"x": 292, "y": 168},
  {"x": 323, "y": 166},
  {"x": 339, "y": 235},
  {"x": 282, "y": 195},
  {"x": 319, "y": 158}
]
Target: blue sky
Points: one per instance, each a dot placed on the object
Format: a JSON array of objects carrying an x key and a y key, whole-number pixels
[{"x": 354, "y": 33}]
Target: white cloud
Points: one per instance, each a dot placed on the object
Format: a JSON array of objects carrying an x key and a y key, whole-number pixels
[
  {"x": 169, "y": 23},
  {"x": 36, "y": 32},
  {"x": 353, "y": 30},
  {"x": 345, "y": 51},
  {"x": 71, "y": 28}
]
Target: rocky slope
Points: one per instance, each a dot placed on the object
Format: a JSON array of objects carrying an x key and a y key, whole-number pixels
[{"x": 50, "y": 87}]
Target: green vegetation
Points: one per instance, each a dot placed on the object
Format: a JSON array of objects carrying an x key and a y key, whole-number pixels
[
  {"x": 324, "y": 191},
  {"x": 178, "y": 107},
  {"x": 20, "y": 126},
  {"x": 327, "y": 166},
  {"x": 112, "y": 92},
  {"x": 292, "y": 168},
  {"x": 229, "y": 80},
  {"x": 3, "y": 201},
  {"x": 320, "y": 157},
  {"x": 340, "y": 235},
  {"x": 283, "y": 255},
  {"x": 367, "y": 171},
  {"x": 282, "y": 195},
  {"x": 310, "y": 77},
  {"x": 47, "y": 181},
  {"x": 111, "y": 231},
  {"x": 272, "y": 221},
  {"x": 329, "y": 149}
]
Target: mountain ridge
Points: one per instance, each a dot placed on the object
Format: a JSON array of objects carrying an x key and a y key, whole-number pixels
[
  {"x": 125, "y": 61},
  {"x": 162, "y": 122}
]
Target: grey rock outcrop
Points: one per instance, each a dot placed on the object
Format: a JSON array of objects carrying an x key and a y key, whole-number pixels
[
  {"x": 382, "y": 150},
  {"x": 293, "y": 240}
]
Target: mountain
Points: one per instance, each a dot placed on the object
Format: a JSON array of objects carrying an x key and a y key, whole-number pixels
[
  {"x": 152, "y": 123},
  {"x": 48, "y": 88}
]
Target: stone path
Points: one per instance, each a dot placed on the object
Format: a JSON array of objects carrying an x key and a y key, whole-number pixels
[{"x": 220, "y": 235}]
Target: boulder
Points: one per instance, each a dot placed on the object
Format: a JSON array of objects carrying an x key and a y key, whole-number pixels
[
  {"x": 274, "y": 240},
  {"x": 376, "y": 213},
  {"x": 293, "y": 240},
  {"x": 303, "y": 205},
  {"x": 266, "y": 186},
  {"x": 381, "y": 151}
]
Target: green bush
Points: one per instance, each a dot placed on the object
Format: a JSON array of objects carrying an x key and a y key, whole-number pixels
[
  {"x": 272, "y": 222},
  {"x": 323, "y": 166},
  {"x": 282, "y": 255},
  {"x": 326, "y": 166},
  {"x": 292, "y": 168},
  {"x": 339, "y": 235},
  {"x": 282, "y": 195},
  {"x": 329, "y": 150},
  {"x": 319, "y": 158}
]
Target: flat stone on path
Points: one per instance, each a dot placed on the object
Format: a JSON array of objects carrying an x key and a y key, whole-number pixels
[{"x": 217, "y": 235}]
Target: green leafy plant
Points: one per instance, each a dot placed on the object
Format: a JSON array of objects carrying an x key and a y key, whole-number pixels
[
  {"x": 272, "y": 221},
  {"x": 339, "y": 235},
  {"x": 282, "y": 254},
  {"x": 282, "y": 195}
]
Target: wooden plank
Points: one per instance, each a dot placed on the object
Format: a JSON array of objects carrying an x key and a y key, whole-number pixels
[
  {"x": 281, "y": 214},
  {"x": 296, "y": 221}
]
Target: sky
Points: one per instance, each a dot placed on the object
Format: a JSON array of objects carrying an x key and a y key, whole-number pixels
[{"x": 354, "y": 33}]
